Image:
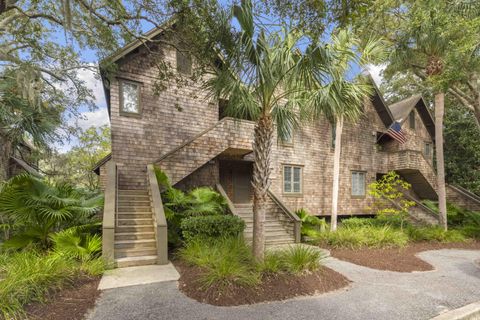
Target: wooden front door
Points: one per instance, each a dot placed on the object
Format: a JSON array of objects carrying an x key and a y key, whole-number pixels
[{"x": 242, "y": 186}]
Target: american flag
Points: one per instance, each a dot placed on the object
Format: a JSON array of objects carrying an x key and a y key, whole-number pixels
[{"x": 395, "y": 131}]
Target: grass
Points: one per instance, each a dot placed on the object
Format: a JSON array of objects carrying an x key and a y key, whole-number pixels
[
  {"x": 384, "y": 232},
  {"x": 229, "y": 261},
  {"x": 29, "y": 276}
]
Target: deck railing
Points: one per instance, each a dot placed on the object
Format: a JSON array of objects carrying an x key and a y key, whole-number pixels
[{"x": 297, "y": 223}]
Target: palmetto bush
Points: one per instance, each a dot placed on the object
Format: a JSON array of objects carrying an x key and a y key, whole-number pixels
[{"x": 37, "y": 208}]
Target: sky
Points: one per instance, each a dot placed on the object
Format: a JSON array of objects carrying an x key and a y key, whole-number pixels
[{"x": 99, "y": 116}]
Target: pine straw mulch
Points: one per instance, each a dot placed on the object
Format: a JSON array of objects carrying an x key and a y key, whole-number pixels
[
  {"x": 272, "y": 288},
  {"x": 398, "y": 259},
  {"x": 70, "y": 303}
]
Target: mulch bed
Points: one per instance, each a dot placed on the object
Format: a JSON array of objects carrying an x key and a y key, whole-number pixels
[
  {"x": 70, "y": 303},
  {"x": 272, "y": 288},
  {"x": 398, "y": 259}
]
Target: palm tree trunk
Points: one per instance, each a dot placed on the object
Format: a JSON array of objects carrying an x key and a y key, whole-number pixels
[
  {"x": 336, "y": 172},
  {"x": 262, "y": 146},
  {"x": 442, "y": 200}
]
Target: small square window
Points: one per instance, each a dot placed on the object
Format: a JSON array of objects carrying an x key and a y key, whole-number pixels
[
  {"x": 130, "y": 97},
  {"x": 292, "y": 179},
  {"x": 411, "y": 119},
  {"x": 184, "y": 63},
  {"x": 358, "y": 183}
]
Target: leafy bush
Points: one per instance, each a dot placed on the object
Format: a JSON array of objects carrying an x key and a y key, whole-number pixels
[
  {"x": 434, "y": 234},
  {"x": 212, "y": 226},
  {"x": 37, "y": 209},
  {"x": 311, "y": 225},
  {"x": 365, "y": 236},
  {"x": 28, "y": 276},
  {"x": 224, "y": 262},
  {"x": 300, "y": 258},
  {"x": 356, "y": 222},
  {"x": 389, "y": 195},
  {"x": 72, "y": 242}
]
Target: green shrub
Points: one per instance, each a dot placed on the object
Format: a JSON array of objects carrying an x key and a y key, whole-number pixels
[
  {"x": 365, "y": 236},
  {"x": 311, "y": 225},
  {"x": 434, "y": 234},
  {"x": 356, "y": 222},
  {"x": 300, "y": 258},
  {"x": 223, "y": 226},
  {"x": 28, "y": 276},
  {"x": 226, "y": 261},
  {"x": 77, "y": 244}
]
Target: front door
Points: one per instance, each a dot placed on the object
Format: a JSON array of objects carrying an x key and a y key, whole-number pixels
[{"x": 242, "y": 186}]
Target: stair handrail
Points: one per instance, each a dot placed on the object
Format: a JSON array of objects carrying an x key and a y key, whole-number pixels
[
  {"x": 465, "y": 192},
  {"x": 109, "y": 213},
  {"x": 161, "y": 231},
  {"x": 230, "y": 205},
  {"x": 297, "y": 222},
  {"x": 424, "y": 207}
]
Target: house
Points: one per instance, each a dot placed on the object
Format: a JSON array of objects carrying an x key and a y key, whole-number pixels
[{"x": 187, "y": 135}]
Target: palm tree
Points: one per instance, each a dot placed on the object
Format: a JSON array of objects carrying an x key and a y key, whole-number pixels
[
  {"x": 340, "y": 99},
  {"x": 420, "y": 47},
  {"x": 265, "y": 78}
]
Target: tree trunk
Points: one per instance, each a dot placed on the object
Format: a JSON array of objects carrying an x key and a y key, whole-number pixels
[
  {"x": 336, "y": 172},
  {"x": 5, "y": 153},
  {"x": 262, "y": 146},
  {"x": 442, "y": 201}
]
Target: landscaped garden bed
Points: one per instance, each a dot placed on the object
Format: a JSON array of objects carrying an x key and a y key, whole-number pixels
[
  {"x": 70, "y": 303},
  {"x": 272, "y": 287},
  {"x": 397, "y": 259}
]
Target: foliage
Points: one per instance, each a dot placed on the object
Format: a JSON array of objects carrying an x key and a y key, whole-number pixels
[
  {"x": 178, "y": 205},
  {"x": 30, "y": 275},
  {"x": 311, "y": 225},
  {"x": 389, "y": 195},
  {"x": 229, "y": 261},
  {"x": 433, "y": 233},
  {"x": 462, "y": 149},
  {"x": 223, "y": 226},
  {"x": 224, "y": 261},
  {"x": 38, "y": 208},
  {"x": 75, "y": 166},
  {"x": 74, "y": 243},
  {"x": 364, "y": 236}
]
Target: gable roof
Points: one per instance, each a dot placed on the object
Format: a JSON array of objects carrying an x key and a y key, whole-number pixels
[
  {"x": 380, "y": 105},
  {"x": 401, "y": 109}
]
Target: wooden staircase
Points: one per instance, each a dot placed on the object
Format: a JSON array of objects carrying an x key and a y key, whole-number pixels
[
  {"x": 135, "y": 242},
  {"x": 275, "y": 231}
]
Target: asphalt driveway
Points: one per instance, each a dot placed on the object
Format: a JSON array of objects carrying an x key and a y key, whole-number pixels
[{"x": 373, "y": 294}]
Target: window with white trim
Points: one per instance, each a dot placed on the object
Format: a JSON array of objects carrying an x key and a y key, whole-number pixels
[
  {"x": 130, "y": 97},
  {"x": 358, "y": 183},
  {"x": 292, "y": 179}
]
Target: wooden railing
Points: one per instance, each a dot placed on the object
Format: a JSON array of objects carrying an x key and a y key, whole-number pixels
[
  {"x": 109, "y": 214},
  {"x": 230, "y": 205},
  {"x": 160, "y": 222},
  {"x": 297, "y": 223}
]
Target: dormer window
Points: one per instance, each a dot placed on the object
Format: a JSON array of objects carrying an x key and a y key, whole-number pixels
[
  {"x": 411, "y": 119},
  {"x": 184, "y": 63},
  {"x": 129, "y": 97}
]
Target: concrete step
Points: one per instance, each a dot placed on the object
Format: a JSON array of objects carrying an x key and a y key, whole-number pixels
[
  {"x": 135, "y": 244},
  {"x": 135, "y": 222},
  {"x": 135, "y": 252},
  {"x": 271, "y": 235},
  {"x": 135, "y": 261},
  {"x": 135, "y": 236},
  {"x": 134, "y": 215},
  {"x": 134, "y": 197},
  {"x": 134, "y": 229},
  {"x": 132, "y": 208},
  {"x": 133, "y": 192}
]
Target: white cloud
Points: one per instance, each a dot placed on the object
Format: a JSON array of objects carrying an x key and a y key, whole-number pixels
[
  {"x": 95, "y": 118},
  {"x": 376, "y": 72},
  {"x": 93, "y": 82}
]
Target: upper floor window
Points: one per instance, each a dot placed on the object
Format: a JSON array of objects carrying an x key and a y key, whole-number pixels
[
  {"x": 427, "y": 149},
  {"x": 358, "y": 183},
  {"x": 184, "y": 63},
  {"x": 411, "y": 119},
  {"x": 288, "y": 138},
  {"x": 129, "y": 97},
  {"x": 292, "y": 179}
]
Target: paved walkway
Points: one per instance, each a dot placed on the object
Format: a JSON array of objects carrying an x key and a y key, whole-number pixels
[{"x": 373, "y": 295}]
